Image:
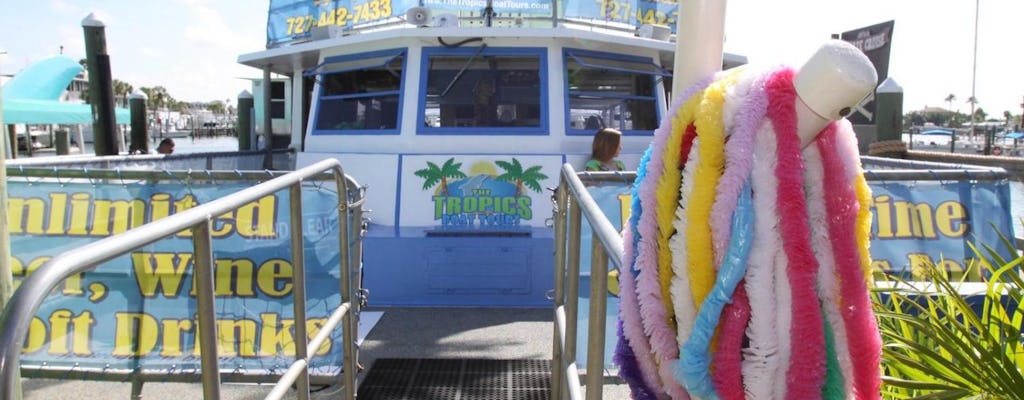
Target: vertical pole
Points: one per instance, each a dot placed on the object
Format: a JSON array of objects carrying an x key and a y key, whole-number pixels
[
  {"x": 101, "y": 92},
  {"x": 974, "y": 70},
  {"x": 6, "y": 278},
  {"x": 598, "y": 315},
  {"x": 572, "y": 309},
  {"x": 12, "y": 141},
  {"x": 203, "y": 270},
  {"x": 61, "y": 142},
  {"x": 81, "y": 139},
  {"x": 140, "y": 133},
  {"x": 267, "y": 123},
  {"x": 245, "y": 123},
  {"x": 700, "y": 36},
  {"x": 299, "y": 289},
  {"x": 349, "y": 321},
  {"x": 557, "y": 356}
]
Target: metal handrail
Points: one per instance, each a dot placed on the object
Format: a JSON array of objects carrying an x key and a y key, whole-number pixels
[
  {"x": 17, "y": 316},
  {"x": 572, "y": 202}
]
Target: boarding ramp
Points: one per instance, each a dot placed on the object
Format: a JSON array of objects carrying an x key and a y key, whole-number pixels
[
  {"x": 574, "y": 203},
  {"x": 201, "y": 223}
]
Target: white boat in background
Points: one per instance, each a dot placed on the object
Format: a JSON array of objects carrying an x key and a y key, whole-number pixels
[{"x": 457, "y": 117}]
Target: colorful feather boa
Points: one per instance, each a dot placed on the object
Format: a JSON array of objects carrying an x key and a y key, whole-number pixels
[
  {"x": 652, "y": 310},
  {"x": 743, "y": 106},
  {"x": 798, "y": 301}
]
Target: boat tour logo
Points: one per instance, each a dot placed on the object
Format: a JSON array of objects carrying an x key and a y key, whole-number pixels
[{"x": 485, "y": 197}]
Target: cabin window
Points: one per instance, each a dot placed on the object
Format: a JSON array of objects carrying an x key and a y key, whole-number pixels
[
  {"x": 480, "y": 90},
  {"x": 277, "y": 100},
  {"x": 611, "y": 90},
  {"x": 360, "y": 93}
]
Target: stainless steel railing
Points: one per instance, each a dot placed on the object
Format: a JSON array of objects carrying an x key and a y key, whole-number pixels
[
  {"x": 15, "y": 320},
  {"x": 572, "y": 202}
]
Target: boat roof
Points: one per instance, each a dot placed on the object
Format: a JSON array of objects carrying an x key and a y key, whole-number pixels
[{"x": 285, "y": 60}]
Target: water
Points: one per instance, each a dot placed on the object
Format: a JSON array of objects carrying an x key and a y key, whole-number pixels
[
  {"x": 187, "y": 145},
  {"x": 1017, "y": 207}
]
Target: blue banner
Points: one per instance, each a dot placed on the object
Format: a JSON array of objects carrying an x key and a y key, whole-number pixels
[
  {"x": 138, "y": 311},
  {"x": 933, "y": 223},
  {"x": 631, "y": 12},
  {"x": 291, "y": 20},
  {"x": 915, "y": 224}
]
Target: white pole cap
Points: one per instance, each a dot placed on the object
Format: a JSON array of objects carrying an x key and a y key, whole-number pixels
[
  {"x": 91, "y": 20},
  {"x": 832, "y": 81},
  {"x": 835, "y": 78}
]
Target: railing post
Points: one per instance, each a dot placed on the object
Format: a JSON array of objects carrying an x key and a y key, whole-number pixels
[
  {"x": 299, "y": 287},
  {"x": 557, "y": 357},
  {"x": 349, "y": 322},
  {"x": 203, "y": 269},
  {"x": 572, "y": 308},
  {"x": 598, "y": 304}
]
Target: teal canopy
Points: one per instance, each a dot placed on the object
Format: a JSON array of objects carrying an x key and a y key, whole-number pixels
[
  {"x": 33, "y": 96},
  {"x": 21, "y": 111}
]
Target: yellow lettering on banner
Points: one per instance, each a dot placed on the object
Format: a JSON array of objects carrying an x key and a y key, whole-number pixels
[
  {"x": 256, "y": 219},
  {"x": 135, "y": 334},
  {"x": 25, "y": 216},
  {"x": 313, "y": 327},
  {"x": 274, "y": 338},
  {"x": 116, "y": 216},
  {"x": 949, "y": 216},
  {"x": 160, "y": 271},
  {"x": 174, "y": 330},
  {"x": 235, "y": 278},
  {"x": 275, "y": 278},
  {"x": 36, "y": 336},
  {"x": 58, "y": 209},
  {"x": 185, "y": 203},
  {"x": 625, "y": 199},
  {"x": 921, "y": 264},
  {"x": 72, "y": 285},
  {"x": 907, "y": 220},
  {"x": 79, "y": 223},
  {"x": 236, "y": 337},
  {"x": 64, "y": 329},
  {"x": 81, "y": 339}
]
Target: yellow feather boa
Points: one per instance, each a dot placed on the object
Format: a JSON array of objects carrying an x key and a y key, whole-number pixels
[
  {"x": 711, "y": 162},
  {"x": 667, "y": 195}
]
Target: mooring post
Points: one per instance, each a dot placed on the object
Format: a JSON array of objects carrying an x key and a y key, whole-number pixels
[
  {"x": 101, "y": 91},
  {"x": 140, "y": 132},
  {"x": 245, "y": 107}
]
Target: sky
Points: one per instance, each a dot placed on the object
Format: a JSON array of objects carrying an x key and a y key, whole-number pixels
[{"x": 191, "y": 47}]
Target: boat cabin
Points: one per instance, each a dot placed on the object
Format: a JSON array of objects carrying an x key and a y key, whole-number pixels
[{"x": 458, "y": 120}]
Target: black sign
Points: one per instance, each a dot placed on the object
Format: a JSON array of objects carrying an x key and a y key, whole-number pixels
[{"x": 874, "y": 41}]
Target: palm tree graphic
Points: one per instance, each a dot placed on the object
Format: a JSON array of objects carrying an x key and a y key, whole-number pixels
[
  {"x": 514, "y": 172},
  {"x": 432, "y": 175}
]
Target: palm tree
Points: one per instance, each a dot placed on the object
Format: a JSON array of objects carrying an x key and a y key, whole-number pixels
[
  {"x": 949, "y": 100},
  {"x": 432, "y": 175},
  {"x": 121, "y": 91},
  {"x": 514, "y": 172}
]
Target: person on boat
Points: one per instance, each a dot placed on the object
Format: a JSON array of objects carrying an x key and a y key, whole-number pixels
[
  {"x": 606, "y": 146},
  {"x": 166, "y": 146}
]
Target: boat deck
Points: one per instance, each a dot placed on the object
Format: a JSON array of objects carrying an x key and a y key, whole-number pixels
[{"x": 401, "y": 333}]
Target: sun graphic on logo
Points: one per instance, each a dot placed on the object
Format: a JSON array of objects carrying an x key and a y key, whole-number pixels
[{"x": 483, "y": 168}]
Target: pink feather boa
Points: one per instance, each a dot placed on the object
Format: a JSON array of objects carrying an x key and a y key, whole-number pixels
[{"x": 841, "y": 161}]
